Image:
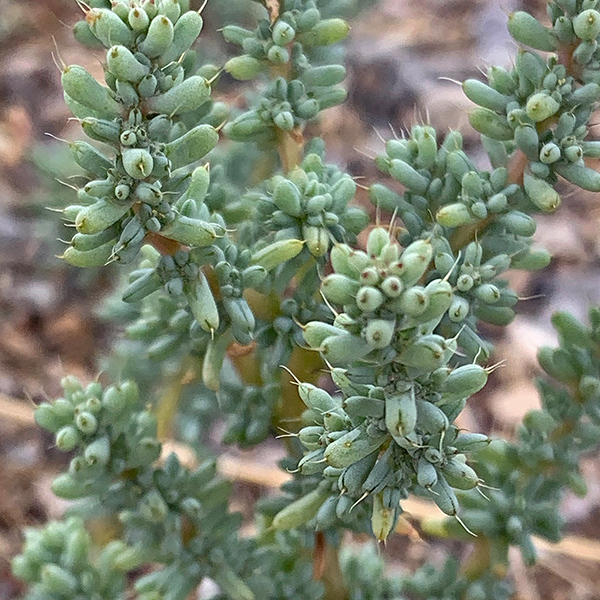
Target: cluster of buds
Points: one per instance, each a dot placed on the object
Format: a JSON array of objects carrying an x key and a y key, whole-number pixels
[
  {"x": 171, "y": 513},
  {"x": 311, "y": 204},
  {"x": 167, "y": 328},
  {"x": 526, "y": 477},
  {"x": 57, "y": 563},
  {"x": 448, "y": 583},
  {"x": 446, "y": 191},
  {"x": 374, "y": 446},
  {"x": 382, "y": 302},
  {"x": 286, "y": 45},
  {"x": 145, "y": 187},
  {"x": 91, "y": 420}
]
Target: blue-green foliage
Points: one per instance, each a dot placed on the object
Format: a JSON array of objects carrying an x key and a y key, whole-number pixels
[{"x": 248, "y": 260}]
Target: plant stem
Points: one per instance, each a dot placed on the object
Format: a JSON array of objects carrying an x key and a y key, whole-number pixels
[
  {"x": 163, "y": 244},
  {"x": 166, "y": 408},
  {"x": 326, "y": 568},
  {"x": 290, "y": 146}
]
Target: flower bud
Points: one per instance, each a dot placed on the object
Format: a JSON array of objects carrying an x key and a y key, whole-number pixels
[
  {"x": 67, "y": 438},
  {"x": 440, "y": 297},
  {"x": 570, "y": 330},
  {"x": 563, "y": 28},
  {"x": 283, "y": 33},
  {"x": 191, "y": 146},
  {"x": 98, "y": 452},
  {"x": 113, "y": 400},
  {"x": 426, "y": 473},
  {"x": 183, "y": 97},
  {"x": 484, "y": 95},
  {"x": 392, "y": 286},
  {"x": 471, "y": 442},
  {"x": 526, "y": 29},
  {"x": 138, "y": 19},
  {"x": 108, "y": 27},
  {"x": 487, "y": 293},
  {"x": 456, "y": 214},
  {"x": 459, "y": 475},
  {"x": 369, "y": 299},
  {"x": 189, "y": 231},
  {"x": 123, "y": 65},
  {"x": 95, "y": 257},
  {"x": 159, "y": 37},
  {"x": 186, "y": 31},
  {"x": 458, "y": 163},
  {"x": 286, "y": 197},
  {"x": 501, "y": 80},
  {"x": 431, "y": 418},
  {"x": 300, "y": 511},
  {"x": 339, "y": 289},
  {"x": 496, "y": 315},
  {"x": 153, "y": 507},
  {"x": 308, "y": 109},
  {"x": 101, "y": 130},
  {"x": 90, "y": 159},
  {"x": 326, "y": 32},
  {"x": 100, "y": 215},
  {"x": 241, "y": 316},
  {"x": 83, "y": 34},
  {"x": 541, "y": 193},
  {"x": 138, "y": 163},
  {"x": 234, "y": 34},
  {"x": 58, "y": 580},
  {"x": 541, "y": 106},
  {"x": 317, "y": 240},
  {"x": 278, "y": 252},
  {"x": 383, "y": 518},
  {"x": 401, "y": 413},
  {"x": 363, "y": 406},
  {"x": 411, "y": 267},
  {"x": 246, "y": 127},
  {"x": 64, "y": 486},
  {"x": 518, "y": 223},
  {"x": 427, "y": 148},
  {"x": 490, "y": 124},
  {"x": 86, "y": 422},
  {"x": 47, "y": 417},
  {"x": 423, "y": 355},
  {"x": 465, "y": 381},
  {"x": 528, "y": 141},
  {"x": 582, "y": 176},
  {"x": 550, "y": 153},
  {"x": 344, "y": 348},
  {"x": 284, "y": 120},
  {"x": 459, "y": 309},
  {"x": 586, "y": 25},
  {"x": 169, "y": 8},
  {"x": 379, "y": 333},
  {"x": 244, "y": 67},
  {"x": 408, "y": 176},
  {"x": 497, "y": 203},
  {"x": 315, "y": 332},
  {"x": 413, "y": 301},
  {"x": 351, "y": 447}
]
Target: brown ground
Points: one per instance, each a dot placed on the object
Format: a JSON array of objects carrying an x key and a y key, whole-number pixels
[{"x": 47, "y": 324}]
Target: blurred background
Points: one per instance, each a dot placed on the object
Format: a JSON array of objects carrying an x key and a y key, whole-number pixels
[{"x": 51, "y": 320}]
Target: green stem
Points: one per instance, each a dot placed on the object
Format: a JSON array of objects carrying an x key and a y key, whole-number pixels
[{"x": 166, "y": 408}]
